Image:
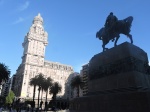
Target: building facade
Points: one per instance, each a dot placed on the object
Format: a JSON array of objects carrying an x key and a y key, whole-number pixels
[
  {"x": 33, "y": 62},
  {"x": 12, "y": 84},
  {"x": 9, "y": 85},
  {"x": 6, "y": 88},
  {"x": 0, "y": 90},
  {"x": 84, "y": 75}
]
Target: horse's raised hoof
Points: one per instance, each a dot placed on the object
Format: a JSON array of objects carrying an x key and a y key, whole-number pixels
[
  {"x": 106, "y": 49},
  {"x": 115, "y": 45}
]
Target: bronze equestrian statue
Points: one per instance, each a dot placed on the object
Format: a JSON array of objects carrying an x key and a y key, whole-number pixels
[{"x": 113, "y": 28}]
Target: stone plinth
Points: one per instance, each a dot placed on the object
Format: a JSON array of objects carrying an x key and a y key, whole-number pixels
[
  {"x": 119, "y": 81},
  {"x": 115, "y": 102}
]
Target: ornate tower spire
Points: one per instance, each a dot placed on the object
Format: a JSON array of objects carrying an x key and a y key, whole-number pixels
[
  {"x": 35, "y": 42},
  {"x": 38, "y": 19},
  {"x": 34, "y": 46}
]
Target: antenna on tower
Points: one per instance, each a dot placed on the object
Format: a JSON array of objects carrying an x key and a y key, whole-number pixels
[{"x": 39, "y": 14}]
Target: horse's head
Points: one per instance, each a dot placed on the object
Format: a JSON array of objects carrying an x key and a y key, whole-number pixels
[{"x": 99, "y": 34}]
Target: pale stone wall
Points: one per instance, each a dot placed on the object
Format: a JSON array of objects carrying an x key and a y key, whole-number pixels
[{"x": 33, "y": 63}]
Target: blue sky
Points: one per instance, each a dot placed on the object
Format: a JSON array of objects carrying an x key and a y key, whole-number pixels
[{"x": 71, "y": 26}]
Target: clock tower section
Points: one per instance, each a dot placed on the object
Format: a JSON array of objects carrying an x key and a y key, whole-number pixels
[
  {"x": 32, "y": 64},
  {"x": 34, "y": 43}
]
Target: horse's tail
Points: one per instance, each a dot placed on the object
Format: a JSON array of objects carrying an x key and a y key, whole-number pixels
[
  {"x": 129, "y": 19},
  {"x": 128, "y": 22}
]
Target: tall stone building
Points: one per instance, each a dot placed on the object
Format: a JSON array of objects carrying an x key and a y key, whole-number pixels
[
  {"x": 13, "y": 80},
  {"x": 6, "y": 88},
  {"x": 85, "y": 78},
  {"x": 33, "y": 62}
]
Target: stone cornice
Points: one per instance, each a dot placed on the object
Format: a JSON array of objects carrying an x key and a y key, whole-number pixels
[
  {"x": 32, "y": 55},
  {"x": 120, "y": 66},
  {"x": 57, "y": 66},
  {"x": 33, "y": 64},
  {"x": 45, "y": 42}
]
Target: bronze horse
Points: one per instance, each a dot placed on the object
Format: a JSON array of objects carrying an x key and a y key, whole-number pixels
[{"x": 121, "y": 27}]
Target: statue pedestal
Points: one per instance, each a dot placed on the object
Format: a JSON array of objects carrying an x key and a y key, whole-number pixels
[{"x": 119, "y": 81}]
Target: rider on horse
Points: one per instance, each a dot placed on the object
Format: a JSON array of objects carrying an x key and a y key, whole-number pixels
[
  {"x": 110, "y": 23},
  {"x": 113, "y": 28}
]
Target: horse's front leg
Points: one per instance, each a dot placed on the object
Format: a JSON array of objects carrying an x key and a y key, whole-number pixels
[
  {"x": 103, "y": 46},
  {"x": 104, "y": 43},
  {"x": 115, "y": 44},
  {"x": 113, "y": 40},
  {"x": 130, "y": 36}
]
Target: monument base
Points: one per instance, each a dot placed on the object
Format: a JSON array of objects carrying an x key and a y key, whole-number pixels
[
  {"x": 119, "y": 81},
  {"x": 114, "y": 102}
]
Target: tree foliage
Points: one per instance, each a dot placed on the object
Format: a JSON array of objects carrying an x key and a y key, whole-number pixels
[
  {"x": 4, "y": 73},
  {"x": 55, "y": 89},
  {"x": 40, "y": 80},
  {"x": 10, "y": 97},
  {"x": 47, "y": 84},
  {"x": 76, "y": 82},
  {"x": 34, "y": 83}
]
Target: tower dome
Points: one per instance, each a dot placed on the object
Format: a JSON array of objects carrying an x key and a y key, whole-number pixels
[{"x": 38, "y": 19}]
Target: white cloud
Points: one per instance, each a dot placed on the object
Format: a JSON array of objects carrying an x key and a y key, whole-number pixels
[
  {"x": 24, "y": 6},
  {"x": 19, "y": 20}
]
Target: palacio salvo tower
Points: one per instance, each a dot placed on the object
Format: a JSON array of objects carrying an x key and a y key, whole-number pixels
[{"x": 33, "y": 63}]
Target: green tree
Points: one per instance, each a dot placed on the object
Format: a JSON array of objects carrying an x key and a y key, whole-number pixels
[
  {"x": 40, "y": 80},
  {"x": 4, "y": 73},
  {"x": 34, "y": 83},
  {"x": 76, "y": 82},
  {"x": 55, "y": 89},
  {"x": 10, "y": 97},
  {"x": 42, "y": 87},
  {"x": 47, "y": 84}
]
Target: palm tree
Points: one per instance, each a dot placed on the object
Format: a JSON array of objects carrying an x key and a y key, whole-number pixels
[
  {"x": 55, "y": 89},
  {"x": 4, "y": 73},
  {"x": 76, "y": 82},
  {"x": 40, "y": 80},
  {"x": 47, "y": 84},
  {"x": 34, "y": 83},
  {"x": 42, "y": 87}
]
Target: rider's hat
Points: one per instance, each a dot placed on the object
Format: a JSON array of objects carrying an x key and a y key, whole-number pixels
[{"x": 111, "y": 12}]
